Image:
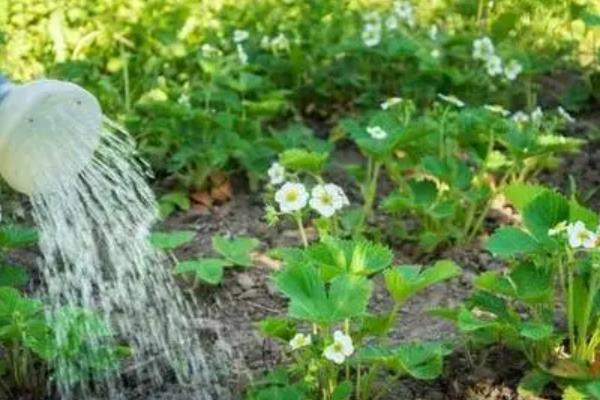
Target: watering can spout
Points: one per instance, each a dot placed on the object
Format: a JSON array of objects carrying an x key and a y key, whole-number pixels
[{"x": 49, "y": 131}]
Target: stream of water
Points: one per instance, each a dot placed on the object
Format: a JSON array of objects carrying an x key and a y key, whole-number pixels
[{"x": 93, "y": 237}]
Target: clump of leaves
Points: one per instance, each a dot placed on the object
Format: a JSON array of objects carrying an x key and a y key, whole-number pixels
[
  {"x": 234, "y": 252},
  {"x": 553, "y": 274},
  {"x": 64, "y": 345},
  {"x": 337, "y": 345}
]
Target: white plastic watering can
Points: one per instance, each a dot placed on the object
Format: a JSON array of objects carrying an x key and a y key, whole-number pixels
[{"x": 49, "y": 131}]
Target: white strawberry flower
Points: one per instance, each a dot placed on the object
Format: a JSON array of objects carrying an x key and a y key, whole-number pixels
[
  {"x": 325, "y": 200},
  {"x": 580, "y": 236},
  {"x": 243, "y": 57},
  {"x": 377, "y": 132},
  {"x": 333, "y": 188},
  {"x": 537, "y": 115},
  {"x": 433, "y": 32},
  {"x": 265, "y": 42},
  {"x": 340, "y": 349},
  {"x": 563, "y": 113},
  {"x": 291, "y": 197},
  {"x": 280, "y": 43},
  {"x": 493, "y": 65},
  {"x": 276, "y": 173},
  {"x": 520, "y": 117},
  {"x": 391, "y": 23},
  {"x": 300, "y": 340},
  {"x": 404, "y": 11},
  {"x": 210, "y": 51},
  {"x": 483, "y": 48},
  {"x": 240, "y": 36},
  {"x": 371, "y": 35},
  {"x": 392, "y": 101},
  {"x": 452, "y": 100},
  {"x": 512, "y": 70}
]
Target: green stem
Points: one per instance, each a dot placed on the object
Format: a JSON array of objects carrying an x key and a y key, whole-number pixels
[
  {"x": 358, "y": 375},
  {"x": 369, "y": 193},
  {"x": 584, "y": 328},
  {"x": 298, "y": 218},
  {"x": 571, "y": 306}
]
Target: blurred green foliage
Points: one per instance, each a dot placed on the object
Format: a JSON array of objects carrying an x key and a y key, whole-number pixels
[{"x": 170, "y": 71}]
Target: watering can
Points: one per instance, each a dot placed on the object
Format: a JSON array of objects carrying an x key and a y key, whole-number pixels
[{"x": 49, "y": 131}]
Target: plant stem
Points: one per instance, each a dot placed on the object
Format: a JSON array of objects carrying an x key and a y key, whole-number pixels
[
  {"x": 582, "y": 332},
  {"x": 571, "y": 306},
  {"x": 298, "y": 218},
  {"x": 369, "y": 192}
]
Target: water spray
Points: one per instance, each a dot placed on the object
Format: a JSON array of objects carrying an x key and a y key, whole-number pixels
[{"x": 94, "y": 210}]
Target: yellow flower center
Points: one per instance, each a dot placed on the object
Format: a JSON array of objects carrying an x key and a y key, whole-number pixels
[
  {"x": 326, "y": 199},
  {"x": 337, "y": 347},
  {"x": 291, "y": 196}
]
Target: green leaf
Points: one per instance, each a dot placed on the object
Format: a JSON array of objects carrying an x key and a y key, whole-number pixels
[
  {"x": 509, "y": 242},
  {"x": 419, "y": 360},
  {"x": 171, "y": 240},
  {"x": 533, "y": 284},
  {"x": 347, "y": 295},
  {"x": 533, "y": 383},
  {"x": 467, "y": 322},
  {"x": 300, "y": 160},
  {"x": 209, "y": 270},
  {"x": 278, "y": 328},
  {"x": 12, "y": 237},
  {"x": 545, "y": 212},
  {"x": 521, "y": 194},
  {"x": 279, "y": 393},
  {"x": 237, "y": 250},
  {"x": 578, "y": 212},
  {"x": 535, "y": 330},
  {"x": 493, "y": 282},
  {"x": 13, "y": 276},
  {"x": 359, "y": 257},
  {"x": 343, "y": 391},
  {"x": 405, "y": 281}
]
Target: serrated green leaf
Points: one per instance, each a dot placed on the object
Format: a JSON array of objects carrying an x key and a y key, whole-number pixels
[
  {"x": 533, "y": 284},
  {"x": 171, "y": 240},
  {"x": 545, "y": 212},
  {"x": 237, "y": 250},
  {"x": 509, "y": 242},
  {"x": 577, "y": 212},
  {"x": 360, "y": 257},
  {"x": 405, "y": 281},
  {"x": 209, "y": 270},
  {"x": 346, "y": 296},
  {"x": 521, "y": 194},
  {"x": 535, "y": 330},
  {"x": 419, "y": 360},
  {"x": 279, "y": 328}
]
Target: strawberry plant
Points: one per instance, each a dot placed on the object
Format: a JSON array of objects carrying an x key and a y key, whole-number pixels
[
  {"x": 336, "y": 345},
  {"x": 553, "y": 273}
]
